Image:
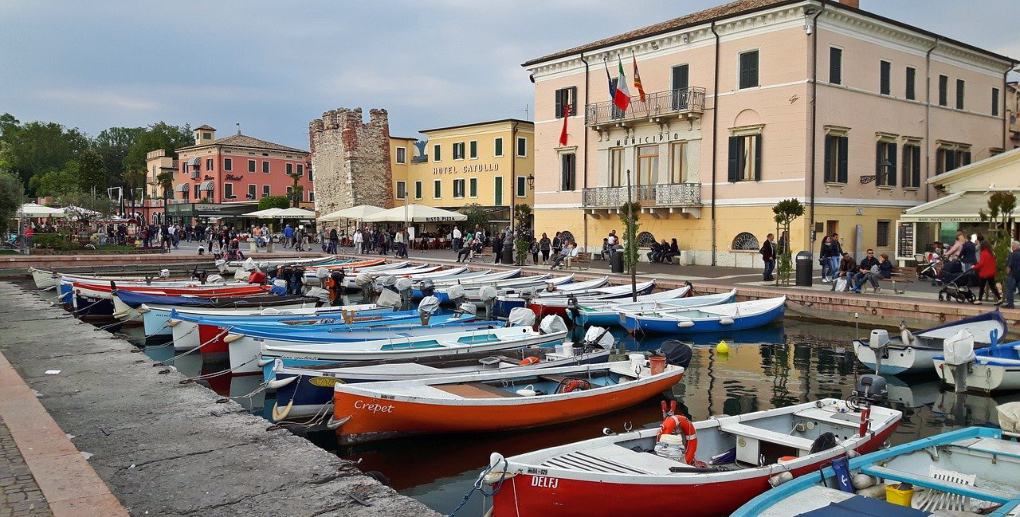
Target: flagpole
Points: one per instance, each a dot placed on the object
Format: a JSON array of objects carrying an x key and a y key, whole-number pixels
[{"x": 631, "y": 234}]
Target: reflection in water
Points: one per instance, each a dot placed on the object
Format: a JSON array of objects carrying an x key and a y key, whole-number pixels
[{"x": 777, "y": 366}]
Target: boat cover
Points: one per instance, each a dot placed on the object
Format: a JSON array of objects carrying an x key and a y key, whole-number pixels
[{"x": 858, "y": 505}]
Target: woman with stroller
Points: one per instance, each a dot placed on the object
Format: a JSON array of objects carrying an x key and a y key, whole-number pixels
[{"x": 985, "y": 269}]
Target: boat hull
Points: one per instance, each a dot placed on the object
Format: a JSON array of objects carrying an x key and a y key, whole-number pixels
[
  {"x": 987, "y": 376},
  {"x": 900, "y": 361},
  {"x": 662, "y": 326}
]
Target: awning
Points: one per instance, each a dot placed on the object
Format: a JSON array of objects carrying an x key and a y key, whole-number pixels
[
  {"x": 415, "y": 214},
  {"x": 208, "y": 186},
  {"x": 183, "y": 187},
  {"x": 195, "y": 161},
  {"x": 355, "y": 212},
  {"x": 34, "y": 210},
  {"x": 962, "y": 207}
]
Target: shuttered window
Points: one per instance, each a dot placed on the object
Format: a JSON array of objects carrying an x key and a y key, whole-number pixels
[
  {"x": 943, "y": 90},
  {"x": 911, "y": 80},
  {"x": 911, "y": 165},
  {"x": 749, "y": 69},
  {"x": 835, "y": 65},
  {"x": 680, "y": 83},
  {"x": 568, "y": 171},
  {"x": 959, "y": 93},
  {"x": 885, "y": 164},
  {"x": 885, "y": 69},
  {"x": 566, "y": 96},
  {"x": 744, "y": 158},
  {"x": 836, "y": 158},
  {"x": 995, "y": 102}
]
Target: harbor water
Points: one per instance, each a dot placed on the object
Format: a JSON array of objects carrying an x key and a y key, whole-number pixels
[{"x": 787, "y": 363}]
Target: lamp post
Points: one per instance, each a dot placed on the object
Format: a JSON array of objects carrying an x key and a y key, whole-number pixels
[{"x": 631, "y": 237}]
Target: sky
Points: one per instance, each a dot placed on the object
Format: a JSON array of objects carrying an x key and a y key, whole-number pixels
[{"x": 272, "y": 66}]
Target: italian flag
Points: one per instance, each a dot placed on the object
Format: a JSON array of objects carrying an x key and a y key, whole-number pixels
[{"x": 621, "y": 99}]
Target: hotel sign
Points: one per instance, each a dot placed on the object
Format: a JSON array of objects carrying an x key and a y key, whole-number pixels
[{"x": 466, "y": 169}]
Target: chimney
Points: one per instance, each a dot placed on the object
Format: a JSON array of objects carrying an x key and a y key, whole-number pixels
[{"x": 856, "y": 4}]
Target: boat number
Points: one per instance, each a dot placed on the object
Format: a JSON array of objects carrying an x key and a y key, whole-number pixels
[
  {"x": 375, "y": 408},
  {"x": 544, "y": 482}
]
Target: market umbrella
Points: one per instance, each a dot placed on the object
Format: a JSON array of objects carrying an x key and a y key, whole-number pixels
[
  {"x": 355, "y": 212},
  {"x": 36, "y": 210},
  {"x": 294, "y": 213},
  {"x": 415, "y": 214},
  {"x": 269, "y": 213},
  {"x": 77, "y": 212}
]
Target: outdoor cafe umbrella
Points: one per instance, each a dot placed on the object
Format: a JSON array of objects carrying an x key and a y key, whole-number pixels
[
  {"x": 36, "y": 210},
  {"x": 294, "y": 213},
  {"x": 355, "y": 212},
  {"x": 269, "y": 213},
  {"x": 415, "y": 214}
]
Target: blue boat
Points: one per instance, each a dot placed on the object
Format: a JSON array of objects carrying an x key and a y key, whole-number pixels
[
  {"x": 969, "y": 470},
  {"x": 605, "y": 313},
  {"x": 366, "y": 332},
  {"x": 715, "y": 318}
]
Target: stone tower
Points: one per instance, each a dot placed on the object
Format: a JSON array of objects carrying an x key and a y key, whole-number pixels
[{"x": 351, "y": 159}]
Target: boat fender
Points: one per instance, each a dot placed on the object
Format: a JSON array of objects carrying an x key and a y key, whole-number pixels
[
  {"x": 862, "y": 481},
  {"x": 674, "y": 423},
  {"x": 173, "y": 323},
  {"x": 527, "y": 391},
  {"x": 865, "y": 420},
  {"x": 726, "y": 321},
  {"x": 276, "y": 384},
  {"x": 685, "y": 324},
  {"x": 528, "y": 361},
  {"x": 780, "y": 478},
  {"x": 232, "y": 337},
  {"x": 334, "y": 424},
  {"x": 282, "y": 414},
  {"x": 264, "y": 362}
]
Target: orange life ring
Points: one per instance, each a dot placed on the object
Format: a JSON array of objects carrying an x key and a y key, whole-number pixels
[
  {"x": 687, "y": 432},
  {"x": 528, "y": 361}
]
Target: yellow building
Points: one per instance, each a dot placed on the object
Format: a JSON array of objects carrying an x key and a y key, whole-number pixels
[{"x": 490, "y": 164}]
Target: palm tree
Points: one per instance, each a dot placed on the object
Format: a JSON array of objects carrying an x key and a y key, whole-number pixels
[
  {"x": 296, "y": 191},
  {"x": 166, "y": 182}
]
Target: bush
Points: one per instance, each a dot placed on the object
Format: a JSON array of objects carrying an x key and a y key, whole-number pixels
[{"x": 53, "y": 241}]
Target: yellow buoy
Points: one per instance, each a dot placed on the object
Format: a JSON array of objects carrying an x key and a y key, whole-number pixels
[{"x": 722, "y": 348}]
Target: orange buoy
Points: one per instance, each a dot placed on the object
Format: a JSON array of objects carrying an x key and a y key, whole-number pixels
[{"x": 528, "y": 361}]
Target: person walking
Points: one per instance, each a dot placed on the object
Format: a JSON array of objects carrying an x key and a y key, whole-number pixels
[
  {"x": 986, "y": 269},
  {"x": 334, "y": 241},
  {"x": 768, "y": 256},
  {"x": 1012, "y": 273},
  {"x": 545, "y": 245},
  {"x": 835, "y": 254},
  {"x": 458, "y": 238},
  {"x": 358, "y": 240},
  {"x": 825, "y": 259}
]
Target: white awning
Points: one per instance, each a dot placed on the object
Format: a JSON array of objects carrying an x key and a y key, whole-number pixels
[
  {"x": 268, "y": 213},
  {"x": 962, "y": 207},
  {"x": 295, "y": 213},
  {"x": 355, "y": 212},
  {"x": 416, "y": 214},
  {"x": 36, "y": 210},
  {"x": 208, "y": 186}
]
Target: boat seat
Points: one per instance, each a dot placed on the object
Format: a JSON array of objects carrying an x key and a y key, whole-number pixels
[
  {"x": 475, "y": 390},
  {"x": 821, "y": 415},
  {"x": 765, "y": 435},
  {"x": 937, "y": 484}
]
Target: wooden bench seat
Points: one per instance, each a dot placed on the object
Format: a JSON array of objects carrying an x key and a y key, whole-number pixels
[
  {"x": 766, "y": 435},
  {"x": 476, "y": 390}
]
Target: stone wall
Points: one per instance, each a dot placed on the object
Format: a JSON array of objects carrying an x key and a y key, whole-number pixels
[{"x": 351, "y": 159}]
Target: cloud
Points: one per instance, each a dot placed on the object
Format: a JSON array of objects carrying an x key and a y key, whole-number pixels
[{"x": 90, "y": 99}]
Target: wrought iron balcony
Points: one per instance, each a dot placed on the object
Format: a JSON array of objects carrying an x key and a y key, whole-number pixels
[
  {"x": 615, "y": 197},
  {"x": 656, "y": 105},
  {"x": 678, "y": 195},
  {"x": 651, "y": 197}
]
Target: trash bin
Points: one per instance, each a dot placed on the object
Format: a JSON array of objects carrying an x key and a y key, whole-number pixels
[
  {"x": 507, "y": 253},
  {"x": 616, "y": 261},
  {"x": 805, "y": 264}
]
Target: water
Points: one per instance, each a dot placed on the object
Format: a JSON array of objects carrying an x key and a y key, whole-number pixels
[{"x": 781, "y": 365}]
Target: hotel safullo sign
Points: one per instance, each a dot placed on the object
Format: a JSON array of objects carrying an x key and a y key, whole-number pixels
[{"x": 466, "y": 169}]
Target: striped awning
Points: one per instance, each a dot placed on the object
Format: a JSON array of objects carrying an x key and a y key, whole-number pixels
[
  {"x": 208, "y": 186},
  {"x": 183, "y": 187}
]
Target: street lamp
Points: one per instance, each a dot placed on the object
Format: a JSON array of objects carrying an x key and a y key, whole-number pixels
[{"x": 531, "y": 181}]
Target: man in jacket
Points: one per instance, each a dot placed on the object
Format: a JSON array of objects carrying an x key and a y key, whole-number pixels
[
  {"x": 768, "y": 255},
  {"x": 864, "y": 271}
]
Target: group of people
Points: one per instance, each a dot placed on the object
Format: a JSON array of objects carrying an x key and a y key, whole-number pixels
[
  {"x": 972, "y": 261},
  {"x": 382, "y": 241}
]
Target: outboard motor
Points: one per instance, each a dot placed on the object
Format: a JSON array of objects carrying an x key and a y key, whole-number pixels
[
  {"x": 426, "y": 308},
  {"x": 676, "y": 352},
  {"x": 872, "y": 388},
  {"x": 551, "y": 324},
  {"x": 521, "y": 317},
  {"x": 388, "y": 296},
  {"x": 456, "y": 294},
  {"x": 958, "y": 352},
  {"x": 877, "y": 342},
  {"x": 600, "y": 337},
  {"x": 320, "y": 293},
  {"x": 488, "y": 295},
  {"x": 467, "y": 308},
  {"x": 164, "y": 273},
  {"x": 199, "y": 274},
  {"x": 214, "y": 279},
  {"x": 404, "y": 287},
  {"x": 322, "y": 275},
  {"x": 221, "y": 265},
  {"x": 364, "y": 282},
  {"x": 428, "y": 288}
]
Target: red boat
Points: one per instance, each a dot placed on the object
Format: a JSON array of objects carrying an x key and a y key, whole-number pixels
[
  {"x": 712, "y": 468},
  {"x": 205, "y": 291}
]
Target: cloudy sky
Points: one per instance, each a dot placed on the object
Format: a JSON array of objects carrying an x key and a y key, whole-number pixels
[{"x": 273, "y": 65}]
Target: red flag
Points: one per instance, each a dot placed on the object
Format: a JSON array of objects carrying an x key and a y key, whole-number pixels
[
  {"x": 563, "y": 134},
  {"x": 637, "y": 79}
]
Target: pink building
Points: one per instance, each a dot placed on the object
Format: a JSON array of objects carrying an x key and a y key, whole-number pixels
[
  {"x": 227, "y": 176},
  {"x": 757, "y": 101}
]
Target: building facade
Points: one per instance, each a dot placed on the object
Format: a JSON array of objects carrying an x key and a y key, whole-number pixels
[
  {"x": 753, "y": 102},
  {"x": 351, "y": 159},
  {"x": 225, "y": 177}
]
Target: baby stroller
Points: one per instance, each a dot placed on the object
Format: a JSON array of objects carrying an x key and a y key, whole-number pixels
[
  {"x": 928, "y": 269},
  {"x": 959, "y": 288}
]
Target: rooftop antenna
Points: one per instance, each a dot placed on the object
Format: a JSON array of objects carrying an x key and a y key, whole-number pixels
[
  {"x": 525, "y": 112},
  {"x": 238, "y": 124}
]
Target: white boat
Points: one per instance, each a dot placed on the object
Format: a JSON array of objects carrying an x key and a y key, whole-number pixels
[
  {"x": 914, "y": 353},
  {"x": 607, "y": 312},
  {"x": 996, "y": 368},
  {"x": 472, "y": 278},
  {"x": 156, "y": 318},
  {"x": 351, "y": 281}
]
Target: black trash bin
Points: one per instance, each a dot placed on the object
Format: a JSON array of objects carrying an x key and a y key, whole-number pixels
[
  {"x": 507, "y": 253},
  {"x": 805, "y": 264},
  {"x": 616, "y": 261}
]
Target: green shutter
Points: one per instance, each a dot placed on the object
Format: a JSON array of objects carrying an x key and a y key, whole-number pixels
[
  {"x": 757, "y": 158},
  {"x": 916, "y": 164},
  {"x": 734, "y": 159},
  {"x": 474, "y": 187},
  {"x": 559, "y": 103},
  {"x": 844, "y": 159},
  {"x": 829, "y": 167},
  {"x": 499, "y": 147}
]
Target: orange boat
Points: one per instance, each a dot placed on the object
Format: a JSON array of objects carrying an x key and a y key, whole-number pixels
[{"x": 495, "y": 401}]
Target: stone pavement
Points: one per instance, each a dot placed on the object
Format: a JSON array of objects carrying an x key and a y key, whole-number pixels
[{"x": 19, "y": 493}]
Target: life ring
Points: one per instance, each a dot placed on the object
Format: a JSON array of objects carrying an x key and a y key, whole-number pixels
[
  {"x": 528, "y": 361},
  {"x": 865, "y": 420},
  {"x": 687, "y": 432}
]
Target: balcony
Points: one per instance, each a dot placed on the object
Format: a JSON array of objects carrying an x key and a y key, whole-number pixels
[
  {"x": 657, "y": 200},
  {"x": 657, "y": 106}
]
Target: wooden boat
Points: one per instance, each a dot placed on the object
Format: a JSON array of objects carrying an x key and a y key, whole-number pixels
[
  {"x": 45, "y": 279},
  {"x": 303, "y": 391},
  {"x": 97, "y": 299},
  {"x": 734, "y": 458},
  {"x": 496, "y": 401},
  {"x": 714, "y": 318},
  {"x": 126, "y": 303},
  {"x": 607, "y": 312},
  {"x": 549, "y": 303},
  {"x": 911, "y": 353},
  {"x": 244, "y": 350},
  {"x": 994, "y": 368},
  {"x": 970, "y": 471},
  {"x": 155, "y": 317},
  {"x": 233, "y": 265}
]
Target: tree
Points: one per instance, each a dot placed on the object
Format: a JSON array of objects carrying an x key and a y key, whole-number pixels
[
  {"x": 786, "y": 211},
  {"x": 112, "y": 145},
  {"x": 157, "y": 136},
  {"x": 274, "y": 202},
  {"x": 629, "y": 214},
  {"x": 1001, "y": 206},
  {"x": 99, "y": 203},
  {"x": 55, "y": 182},
  {"x": 37, "y": 147},
  {"x": 91, "y": 171},
  {"x": 476, "y": 214},
  {"x": 523, "y": 234},
  {"x": 12, "y": 194}
]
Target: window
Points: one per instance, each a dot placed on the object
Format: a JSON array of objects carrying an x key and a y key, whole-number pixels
[
  {"x": 680, "y": 84},
  {"x": 311, "y": 196},
  {"x": 959, "y": 93},
  {"x": 265, "y": 191},
  {"x": 458, "y": 150},
  {"x": 951, "y": 156},
  {"x": 995, "y": 102},
  {"x": 497, "y": 145},
  {"x": 885, "y": 69},
  {"x": 943, "y": 90},
  {"x": 300, "y": 169},
  {"x": 473, "y": 187},
  {"x": 228, "y": 191},
  {"x": 677, "y": 170},
  {"x": 310, "y": 176},
  {"x": 458, "y": 188},
  {"x": 401, "y": 190},
  {"x": 265, "y": 166},
  {"x": 835, "y": 157},
  {"x": 206, "y": 136},
  {"x": 290, "y": 191},
  {"x": 198, "y": 193},
  {"x": 647, "y": 164},
  {"x": 208, "y": 164},
  {"x": 911, "y": 78},
  {"x": 522, "y": 186},
  {"x": 417, "y": 189},
  {"x": 228, "y": 164},
  {"x": 290, "y": 169},
  {"x": 749, "y": 69},
  {"x": 498, "y": 193},
  {"x": 522, "y": 146},
  {"x": 911, "y": 165},
  {"x": 566, "y": 97},
  {"x": 252, "y": 191},
  {"x": 437, "y": 189},
  {"x": 616, "y": 178},
  {"x": 568, "y": 171},
  {"x": 835, "y": 65},
  {"x": 745, "y": 158},
  {"x": 251, "y": 165},
  {"x": 473, "y": 149},
  {"x": 401, "y": 155},
  {"x": 437, "y": 153},
  {"x": 882, "y": 234},
  {"x": 885, "y": 163}
]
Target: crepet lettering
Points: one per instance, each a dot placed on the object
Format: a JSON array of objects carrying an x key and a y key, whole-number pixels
[{"x": 373, "y": 407}]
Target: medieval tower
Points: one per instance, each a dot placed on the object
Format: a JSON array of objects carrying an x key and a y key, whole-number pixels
[{"x": 351, "y": 159}]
